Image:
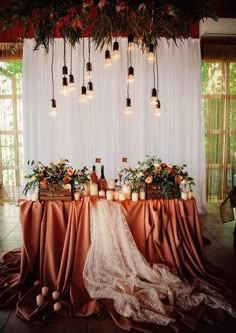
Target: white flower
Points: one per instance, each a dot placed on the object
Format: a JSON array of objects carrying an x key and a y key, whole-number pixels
[{"x": 33, "y": 178}]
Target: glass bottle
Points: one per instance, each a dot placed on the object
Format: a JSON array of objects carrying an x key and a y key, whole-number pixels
[
  {"x": 102, "y": 184},
  {"x": 94, "y": 176}
]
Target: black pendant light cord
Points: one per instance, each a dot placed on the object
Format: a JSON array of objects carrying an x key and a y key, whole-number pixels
[
  {"x": 154, "y": 76},
  {"x": 52, "y": 69},
  {"x": 83, "y": 62},
  {"x": 64, "y": 52},
  {"x": 157, "y": 75},
  {"x": 70, "y": 59}
]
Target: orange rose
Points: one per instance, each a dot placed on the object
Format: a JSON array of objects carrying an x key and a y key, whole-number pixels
[{"x": 149, "y": 180}]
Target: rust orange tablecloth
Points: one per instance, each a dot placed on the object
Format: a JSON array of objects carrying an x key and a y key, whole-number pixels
[{"x": 56, "y": 238}]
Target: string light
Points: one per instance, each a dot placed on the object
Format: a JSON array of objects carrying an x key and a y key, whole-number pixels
[
  {"x": 64, "y": 72},
  {"x": 83, "y": 93},
  {"x": 116, "y": 51},
  {"x": 107, "y": 62},
  {"x": 53, "y": 110},
  {"x": 71, "y": 76}
]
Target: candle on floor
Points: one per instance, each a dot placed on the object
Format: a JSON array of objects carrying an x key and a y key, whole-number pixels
[
  {"x": 39, "y": 299},
  {"x": 45, "y": 291},
  {"x": 57, "y": 306},
  {"x": 55, "y": 294}
]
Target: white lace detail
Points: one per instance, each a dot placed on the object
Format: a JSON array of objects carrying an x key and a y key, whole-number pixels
[{"x": 115, "y": 269}]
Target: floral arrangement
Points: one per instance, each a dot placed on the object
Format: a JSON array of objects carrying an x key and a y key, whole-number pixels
[
  {"x": 102, "y": 19},
  {"x": 55, "y": 173},
  {"x": 171, "y": 179}
]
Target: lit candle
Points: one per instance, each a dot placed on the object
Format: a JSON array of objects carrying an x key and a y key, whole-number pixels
[
  {"x": 35, "y": 196},
  {"x": 93, "y": 189},
  {"x": 45, "y": 291},
  {"x": 102, "y": 194},
  {"x": 135, "y": 196},
  {"x": 55, "y": 294},
  {"x": 189, "y": 195},
  {"x": 39, "y": 299},
  {"x": 57, "y": 306},
  {"x": 111, "y": 184},
  {"x": 127, "y": 190},
  {"x": 110, "y": 195},
  {"x": 116, "y": 195},
  {"x": 142, "y": 195},
  {"x": 184, "y": 195},
  {"x": 122, "y": 196},
  {"x": 77, "y": 195}
]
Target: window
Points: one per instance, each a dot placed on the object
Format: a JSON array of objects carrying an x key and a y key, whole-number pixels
[
  {"x": 11, "y": 137},
  {"x": 219, "y": 105}
]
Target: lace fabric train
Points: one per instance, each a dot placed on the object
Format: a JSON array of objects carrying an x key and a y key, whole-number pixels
[{"x": 115, "y": 269}]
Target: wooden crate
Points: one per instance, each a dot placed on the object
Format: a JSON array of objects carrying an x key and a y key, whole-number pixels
[
  {"x": 55, "y": 192},
  {"x": 155, "y": 191}
]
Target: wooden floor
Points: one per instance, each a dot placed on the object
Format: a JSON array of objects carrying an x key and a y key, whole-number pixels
[{"x": 220, "y": 252}]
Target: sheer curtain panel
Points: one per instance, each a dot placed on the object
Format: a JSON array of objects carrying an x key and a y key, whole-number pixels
[{"x": 99, "y": 128}]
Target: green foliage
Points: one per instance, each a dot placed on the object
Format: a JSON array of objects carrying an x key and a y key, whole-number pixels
[{"x": 146, "y": 21}]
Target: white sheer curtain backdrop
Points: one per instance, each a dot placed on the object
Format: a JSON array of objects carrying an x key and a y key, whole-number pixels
[{"x": 99, "y": 128}]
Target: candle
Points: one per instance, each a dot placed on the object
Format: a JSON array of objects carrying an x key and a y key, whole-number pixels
[
  {"x": 77, "y": 195},
  {"x": 37, "y": 283},
  {"x": 122, "y": 196},
  {"x": 116, "y": 195},
  {"x": 189, "y": 195},
  {"x": 127, "y": 190},
  {"x": 39, "y": 299},
  {"x": 55, "y": 294},
  {"x": 45, "y": 291},
  {"x": 135, "y": 196},
  {"x": 93, "y": 189},
  {"x": 184, "y": 195},
  {"x": 35, "y": 196},
  {"x": 101, "y": 194},
  {"x": 86, "y": 192},
  {"x": 110, "y": 195},
  {"x": 57, "y": 306},
  {"x": 111, "y": 184},
  {"x": 142, "y": 195}
]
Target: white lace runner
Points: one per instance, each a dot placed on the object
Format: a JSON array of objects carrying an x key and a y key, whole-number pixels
[{"x": 115, "y": 269}]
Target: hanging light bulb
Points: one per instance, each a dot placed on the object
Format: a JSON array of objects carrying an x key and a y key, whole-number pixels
[
  {"x": 128, "y": 109},
  {"x": 157, "y": 108},
  {"x": 83, "y": 93},
  {"x": 153, "y": 96},
  {"x": 107, "y": 62},
  {"x": 64, "y": 72},
  {"x": 90, "y": 92},
  {"x": 151, "y": 54},
  {"x": 89, "y": 70},
  {"x": 71, "y": 76},
  {"x": 116, "y": 51},
  {"x": 131, "y": 74},
  {"x": 53, "y": 109},
  {"x": 130, "y": 42}
]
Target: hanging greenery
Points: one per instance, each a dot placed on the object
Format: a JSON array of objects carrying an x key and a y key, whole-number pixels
[{"x": 146, "y": 21}]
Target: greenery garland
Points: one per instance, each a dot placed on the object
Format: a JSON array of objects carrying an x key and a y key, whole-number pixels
[{"x": 102, "y": 20}]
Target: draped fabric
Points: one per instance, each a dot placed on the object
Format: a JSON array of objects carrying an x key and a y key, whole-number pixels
[
  {"x": 56, "y": 252},
  {"x": 99, "y": 128}
]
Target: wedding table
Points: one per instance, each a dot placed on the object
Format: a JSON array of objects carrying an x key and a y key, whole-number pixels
[{"x": 56, "y": 239}]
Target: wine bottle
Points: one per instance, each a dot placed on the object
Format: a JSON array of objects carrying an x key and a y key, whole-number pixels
[
  {"x": 102, "y": 184},
  {"x": 94, "y": 176}
]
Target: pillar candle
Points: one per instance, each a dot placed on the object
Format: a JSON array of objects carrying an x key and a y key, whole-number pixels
[
  {"x": 57, "y": 306},
  {"x": 77, "y": 195},
  {"x": 127, "y": 190},
  {"x": 116, "y": 195},
  {"x": 110, "y": 195},
  {"x": 189, "y": 195},
  {"x": 45, "y": 291},
  {"x": 142, "y": 195},
  {"x": 135, "y": 196},
  {"x": 122, "y": 196},
  {"x": 184, "y": 195},
  {"x": 39, "y": 299},
  {"x": 111, "y": 184},
  {"x": 102, "y": 194},
  {"x": 93, "y": 189},
  {"x": 55, "y": 294}
]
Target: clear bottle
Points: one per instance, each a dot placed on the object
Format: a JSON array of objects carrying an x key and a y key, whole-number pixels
[{"x": 102, "y": 184}]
